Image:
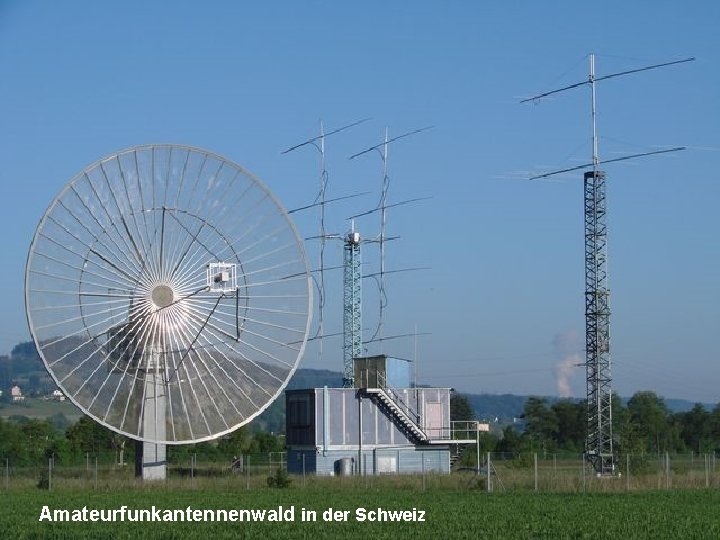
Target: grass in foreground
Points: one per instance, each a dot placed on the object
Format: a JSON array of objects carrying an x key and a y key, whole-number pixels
[{"x": 448, "y": 514}]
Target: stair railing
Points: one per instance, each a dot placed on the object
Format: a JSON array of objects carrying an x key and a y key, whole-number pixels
[{"x": 395, "y": 397}]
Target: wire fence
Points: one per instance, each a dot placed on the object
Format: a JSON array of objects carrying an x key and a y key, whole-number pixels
[
  {"x": 107, "y": 470},
  {"x": 539, "y": 472},
  {"x": 572, "y": 473}
]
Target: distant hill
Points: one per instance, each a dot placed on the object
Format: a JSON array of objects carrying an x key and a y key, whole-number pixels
[
  {"x": 486, "y": 406},
  {"x": 501, "y": 406},
  {"x": 24, "y": 366},
  {"x": 682, "y": 405},
  {"x": 314, "y": 378},
  {"x": 508, "y": 406}
]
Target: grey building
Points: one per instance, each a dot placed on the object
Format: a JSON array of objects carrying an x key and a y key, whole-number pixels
[{"x": 374, "y": 428}]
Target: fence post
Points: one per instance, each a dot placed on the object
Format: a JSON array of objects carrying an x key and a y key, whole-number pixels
[
  {"x": 422, "y": 468},
  {"x": 247, "y": 473},
  {"x": 667, "y": 470},
  {"x": 627, "y": 471},
  {"x": 303, "y": 460},
  {"x": 707, "y": 470},
  {"x": 87, "y": 462},
  {"x": 583, "y": 471},
  {"x": 477, "y": 447},
  {"x": 50, "y": 464},
  {"x": 489, "y": 476},
  {"x": 7, "y": 473},
  {"x": 96, "y": 472},
  {"x": 536, "y": 470}
]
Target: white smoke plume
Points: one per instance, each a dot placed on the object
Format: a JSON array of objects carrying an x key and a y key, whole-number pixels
[{"x": 567, "y": 345}]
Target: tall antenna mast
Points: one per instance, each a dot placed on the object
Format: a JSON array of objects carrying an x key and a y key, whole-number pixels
[
  {"x": 352, "y": 305},
  {"x": 319, "y": 144},
  {"x": 599, "y": 440}
]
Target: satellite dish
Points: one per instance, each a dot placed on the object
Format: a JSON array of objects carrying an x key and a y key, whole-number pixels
[{"x": 168, "y": 294}]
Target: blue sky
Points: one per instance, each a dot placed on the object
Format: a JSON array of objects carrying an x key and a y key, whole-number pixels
[{"x": 503, "y": 299}]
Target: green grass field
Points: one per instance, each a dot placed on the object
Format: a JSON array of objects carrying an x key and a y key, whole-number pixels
[{"x": 448, "y": 513}]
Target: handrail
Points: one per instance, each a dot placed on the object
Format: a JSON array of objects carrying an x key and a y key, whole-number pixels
[
  {"x": 409, "y": 411},
  {"x": 463, "y": 429}
]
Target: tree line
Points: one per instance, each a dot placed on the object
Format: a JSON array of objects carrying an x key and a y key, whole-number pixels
[
  {"x": 643, "y": 425},
  {"x": 32, "y": 441}
]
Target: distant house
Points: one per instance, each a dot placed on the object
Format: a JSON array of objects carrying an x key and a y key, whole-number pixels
[
  {"x": 16, "y": 393},
  {"x": 58, "y": 395}
]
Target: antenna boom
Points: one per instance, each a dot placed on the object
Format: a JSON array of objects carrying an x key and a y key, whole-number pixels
[
  {"x": 401, "y": 203},
  {"x": 390, "y": 140},
  {"x": 604, "y": 77},
  {"x": 328, "y": 201},
  {"x": 623, "y": 158},
  {"x": 312, "y": 140}
]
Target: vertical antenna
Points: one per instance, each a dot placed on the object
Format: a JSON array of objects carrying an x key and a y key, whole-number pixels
[
  {"x": 595, "y": 158},
  {"x": 323, "y": 239},
  {"x": 599, "y": 438},
  {"x": 319, "y": 144},
  {"x": 383, "y": 223},
  {"x": 415, "y": 355}
]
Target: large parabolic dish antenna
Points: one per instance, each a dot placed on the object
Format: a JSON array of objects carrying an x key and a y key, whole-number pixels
[{"x": 168, "y": 294}]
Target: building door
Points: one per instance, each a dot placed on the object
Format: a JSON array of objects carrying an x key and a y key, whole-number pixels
[{"x": 433, "y": 419}]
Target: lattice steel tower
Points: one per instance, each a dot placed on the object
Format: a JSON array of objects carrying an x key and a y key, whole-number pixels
[
  {"x": 352, "y": 305},
  {"x": 599, "y": 441},
  {"x": 599, "y": 444}
]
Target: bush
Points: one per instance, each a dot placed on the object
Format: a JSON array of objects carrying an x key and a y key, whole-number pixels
[
  {"x": 643, "y": 464},
  {"x": 44, "y": 482},
  {"x": 523, "y": 460},
  {"x": 477, "y": 483},
  {"x": 280, "y": 479}
]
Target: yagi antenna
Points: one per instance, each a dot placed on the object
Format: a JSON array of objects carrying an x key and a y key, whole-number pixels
[
  {"x": 599, "y": 441},
  {"x": 322, "y": 136},
  {"x": 398, "y": 336},
  {"x": 382, "y": 149},
  {"x": 592, "y": 79},
  {"x": 319, "y": 144},
  {"x": 380, "y": 208},
  {"x": 327, "y": 201},
  {"x": 586, "y": 165},
  {"x": 604, "y": 77},
  {"x": 388, "y": 141}
]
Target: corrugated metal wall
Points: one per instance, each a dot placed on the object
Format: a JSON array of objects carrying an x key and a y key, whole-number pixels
[
  {"x": 325, "y": 425},
  {"x": 412, "y": 460},
  {"x": 339, "y": 413}
]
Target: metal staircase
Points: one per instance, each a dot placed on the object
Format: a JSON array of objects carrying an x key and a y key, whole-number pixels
[
  {"x": 407, "y": 419},
  {"x": 455, "y": 456}
]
